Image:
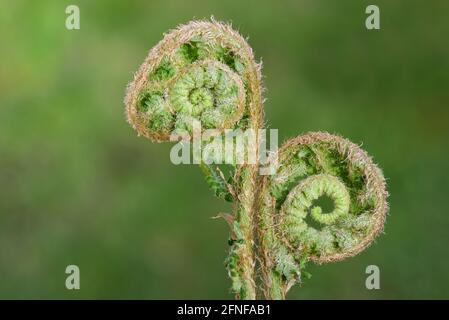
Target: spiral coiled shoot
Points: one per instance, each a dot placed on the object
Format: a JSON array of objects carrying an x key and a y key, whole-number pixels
[
  {"x": 201, "y": 71},
  {"x": 294, "y": 226}
]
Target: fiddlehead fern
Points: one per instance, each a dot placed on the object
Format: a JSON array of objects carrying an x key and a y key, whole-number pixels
[
  {"x": 294, "y": 227},
  {"x": 201, "y": 71},
  {"x": 205, "y": 71}
]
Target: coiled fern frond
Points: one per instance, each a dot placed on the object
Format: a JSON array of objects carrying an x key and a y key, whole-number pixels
[
  {"x": 294, "y": 226},
  {"x": 202, "y": 71}
]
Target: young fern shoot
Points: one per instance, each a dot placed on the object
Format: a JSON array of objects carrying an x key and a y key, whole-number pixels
[
  {"x": 294, "y": 228},
  {"x": 205, "y": 72}
]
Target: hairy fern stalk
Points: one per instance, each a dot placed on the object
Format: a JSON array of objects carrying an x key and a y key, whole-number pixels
[{"x": 205, "y": 71}]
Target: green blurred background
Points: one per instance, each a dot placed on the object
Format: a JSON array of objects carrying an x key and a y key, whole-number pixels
[{"x": 78, "y": 187}]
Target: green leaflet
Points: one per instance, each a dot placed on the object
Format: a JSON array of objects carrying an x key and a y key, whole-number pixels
[
  {"x": 286, "y": 265},
  {"x": 216, "y": 183},
  {"x": 165, "y": 71},
  {"x": 152, "y": 103}
]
